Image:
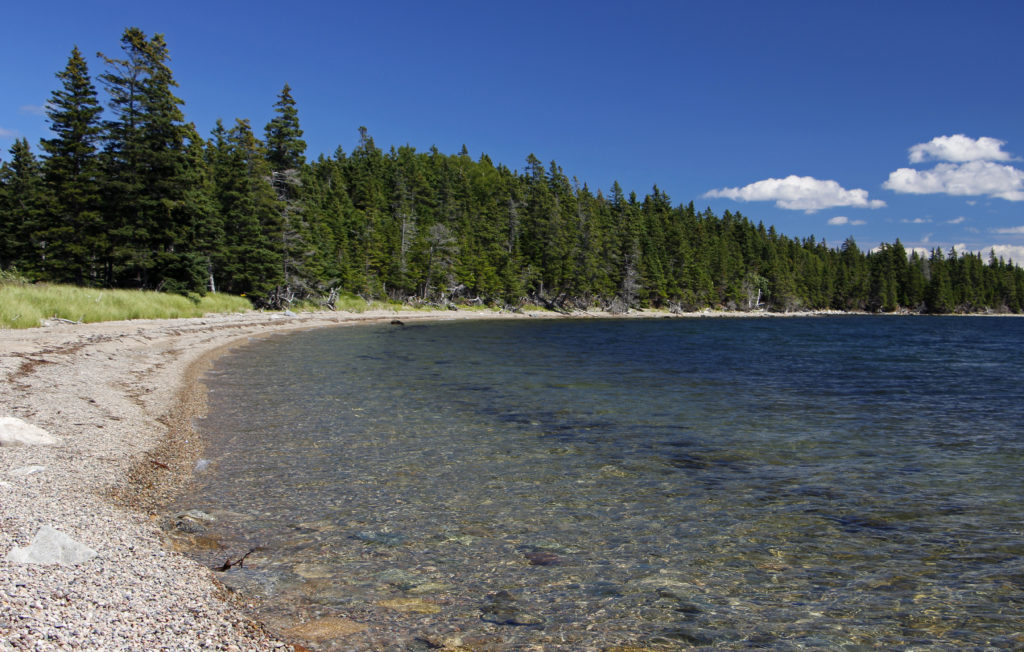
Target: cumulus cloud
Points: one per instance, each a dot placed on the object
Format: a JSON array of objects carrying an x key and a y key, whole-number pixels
[
  {"x": 1015, "y": 230},
  {"x": 972, "y": 178},
  {"x": 839, "y": 220},
  {"x": 959, "y": 148},
  {"x": 1007, "y": 253},
  {"x": 917, "y": 220},
  {"x": 799, "y": 193},
  {"x": 957, "y": 220}
]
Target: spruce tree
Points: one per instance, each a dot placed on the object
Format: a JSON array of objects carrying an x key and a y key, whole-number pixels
[
  {"x": 251, "y": 255},
  {"x": 938, "y": 295},
  {"x": 23, "y": 204},
  {"x": 285, "y": 153},
  {"x": 146, "y": 164},
  {"x": 283, "y": 138},
  {"x": 74, "y": 223}
]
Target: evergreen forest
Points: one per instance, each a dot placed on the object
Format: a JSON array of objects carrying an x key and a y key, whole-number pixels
[{"x": 127, "y": 194}]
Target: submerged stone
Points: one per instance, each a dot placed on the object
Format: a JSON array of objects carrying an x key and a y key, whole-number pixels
[
  {"x": 410, "y": 605},
  {"x": 501, "y": 609},
  {"x": 193, "y": 521},
  {"x": 323, "y": 629},
  {"x": 542, "y": 558}
]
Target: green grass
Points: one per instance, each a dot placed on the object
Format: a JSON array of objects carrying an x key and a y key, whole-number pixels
[{"x": 24, "y": 305}]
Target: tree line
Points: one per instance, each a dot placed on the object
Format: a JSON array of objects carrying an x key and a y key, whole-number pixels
[{"x": 135, "y": 197}]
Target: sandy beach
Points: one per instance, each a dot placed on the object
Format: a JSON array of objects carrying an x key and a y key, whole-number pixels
[{"x": 119, "y": 397}]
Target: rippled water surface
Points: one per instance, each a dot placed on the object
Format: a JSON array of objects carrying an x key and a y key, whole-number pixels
[{"x": 581, "y": 485}]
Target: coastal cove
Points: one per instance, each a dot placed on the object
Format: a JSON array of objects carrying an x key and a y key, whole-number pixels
[
  {"x": 621, "y": 484},
  {"x": 119, "y": 397}
]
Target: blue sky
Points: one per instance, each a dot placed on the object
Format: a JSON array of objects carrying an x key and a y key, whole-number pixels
[{"x": 879, "y": 120}]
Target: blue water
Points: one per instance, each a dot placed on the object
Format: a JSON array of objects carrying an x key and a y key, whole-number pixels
[{"x": 820, "y": 483}]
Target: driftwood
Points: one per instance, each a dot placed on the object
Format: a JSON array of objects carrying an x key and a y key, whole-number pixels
[{"x": 228, "y": 563}]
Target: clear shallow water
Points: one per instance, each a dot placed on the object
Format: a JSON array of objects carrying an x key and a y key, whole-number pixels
[{"x": 766, "y": 483}]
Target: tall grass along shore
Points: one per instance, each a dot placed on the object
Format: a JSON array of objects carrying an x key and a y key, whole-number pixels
[{"x": 25, "y": 305}]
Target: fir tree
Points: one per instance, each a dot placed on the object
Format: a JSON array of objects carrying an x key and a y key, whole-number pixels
[
  {"x": 146, "y": 162},
  {"x": 23, "y": 205},
  {"x": 285, "y": 153},
  {"x": 71, "y": 168},
  {"x": 251, "y": 255}
]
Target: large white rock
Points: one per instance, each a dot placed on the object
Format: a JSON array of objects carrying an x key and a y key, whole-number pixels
[
  {"x": 51, "y": 547},
  {"x": 15, "y": 432}
]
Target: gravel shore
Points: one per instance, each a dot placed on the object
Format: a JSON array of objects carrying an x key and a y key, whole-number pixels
[{"x": 120, "y": 396}]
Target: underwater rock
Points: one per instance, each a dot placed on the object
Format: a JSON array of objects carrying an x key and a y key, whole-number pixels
[
  {"x": 410, "y": 605},
  {"x": 323, "y": 629},
  {"x": 542, "y": 558},
  {"x": 501, "y": 609},
  {"x": 193, "y": 521}
]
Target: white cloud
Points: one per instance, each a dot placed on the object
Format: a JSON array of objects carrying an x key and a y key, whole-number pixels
[
  {"x": 917, "y": 220},
  {"x": 958, "y": 220},
  {"x": 32, "y": 109},
  {"x": 959, "y": 149},
  {"x": 8, "y": 133},
  {"x": 1017, "y": 230},
  {"x": 799, "y": 193},
  {"x": 972, "y": 178},
  {"x": 1008, "y": 252},
  {"x": 839, "y": 220}
]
